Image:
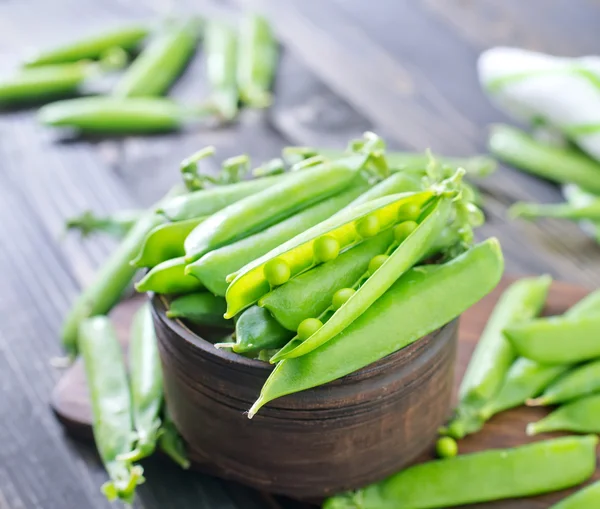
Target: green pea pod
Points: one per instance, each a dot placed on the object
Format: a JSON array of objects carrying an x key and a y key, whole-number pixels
[
  {"x": 402, "y": 258},
  {"x": 44, "y": 83},
  {"x": 249, "y": 284},
  {"x": 579, "y": 416},
  {"x": 257, "y": 330},
  {"x": 221, "y": 56},
  {"x": 159, "y": 64},
  {"x": 117, "y": 115},
  {"x": 586, "y": 498},
  {"x": 208, "y": 201},
  {"x": 580, "y": 381},
  {"x": 287, "y": 303},
  {"x": 111, "y": 405},
  {"x": 588, "y": 306},
  {"x": 256, "y": 62},
  {"x": 169, "y": 277},
  {"x": 111, "y": 280},
  {"x": 146, "y": 384},
  {"x": 478, "y": 166},
  {"x": 557, "y": 339},
  {"x": 578, "y": 197},
  {"x": 496, "y": 474},
  {"x": 553, "y": 163},
  {"x": 92, "y": 47},
  {"x": 171, "y": 443},
  {"x": 213, "y": 268},
  {"x": 493, "y": 354},
  {"x": 117, "y": 224},
  {"x": 560, "y": 211},
  {"x": 525, "y": 379},
  {"x": 254, "y": 213},
  {"x": 450, "y": 289},
  {"x": 200, "y": 308},
  {"x": 165, "y": 242}
]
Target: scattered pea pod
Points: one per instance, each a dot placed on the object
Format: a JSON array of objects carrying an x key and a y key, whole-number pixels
[
  {"x": 164, "y": 242},
  {"x": 579, "y": 198},
  {"x": 117, "y": 224},
  {"x": 560, "y": 211},
  {"x": 200, "y": 308},
  {"x": 92, "y": 47},
  {"x": 587, "y": 498},
  {"x": 580, "y": 416},
  {"x": 161, "y": 62},
  {"x": 169, "y": 277},
  {"x": 221, "y": 62},
  {"x": 256, "y": 62},
  {"x": 111, "y": 405},
  {"x": 208, "y": 201},
  {"x": 117, "y": 115},
  {"x": 381, "y": 275},
  {"x": 213, "y": 268},
  {"x": 257, "y": 278},
  {"x": 110, "y": 281},
  {"x": 553, "y": 163},
  {"x": 467, "y": 278},
  {"x": 44, "y": 83},
  {"x": 146, "y": 384},
  {"x": 170, "y": 442},
  {"x": 557, "y": 340},
  {"x": 494, "y": 355},
  {"x": 493, "y": 475},
  {"x": 287, "y": 303},
  {"x": 254, "y": 213},
  {"x": 588, "y": 306},
  {"x": 257, "y": 330}
]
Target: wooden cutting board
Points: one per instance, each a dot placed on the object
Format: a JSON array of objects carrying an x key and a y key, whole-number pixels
[{"x": 71, "y": 403}]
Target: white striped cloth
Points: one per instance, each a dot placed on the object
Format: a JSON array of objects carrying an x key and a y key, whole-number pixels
[{"x": 542, "y": 89}]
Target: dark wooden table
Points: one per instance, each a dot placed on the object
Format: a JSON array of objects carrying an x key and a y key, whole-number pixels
[{"x": 403, "y": 68}]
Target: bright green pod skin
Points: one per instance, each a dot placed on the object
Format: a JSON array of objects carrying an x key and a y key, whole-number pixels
[
  {"x": 171, "y": 443},
  {"x": 586, "y": 498},
  {"x": 255, "y": 213},
  {"x": 580, "y": 381},
  {"x": 208, "y": 201},
  {"x": 557, "y": 339},
  {"x": 288, "y": 304},
  {"x": 249, "y": 284},
  {"x": 43, "y": 83},
  {"x": 164, "y": 242},
  {"x": 200, "y": 308},
  {"x": 92, "y": 47},
  {"x": 146, "y": 383},
  {"x": 116, "y": 115},
  {"x": 558, "y": 164},
  {"x": 383, "y": 271},
  {"x": 494, "y": 355},
  {"x": 579, "y": 416},
  {"x": 110, "y": 281},
  {"x": 495, "y": 474},
  {"x": 169, "y": 278},
  {"x": 256, "y": 330},
  {"x": 467, "y": 278},
  {"x": 161, "y": 62},
  {"x": 256, "y": 62},
  {"x": 111, "y": 405},
  {"x": 214, "y": 267},
  {"x": 525, "y": 379},
  {"x": 588, "y": 306},
  {"x": 221, "y": 47}
]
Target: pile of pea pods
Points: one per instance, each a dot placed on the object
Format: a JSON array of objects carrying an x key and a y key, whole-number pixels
[{"x": 88, "y": 98}]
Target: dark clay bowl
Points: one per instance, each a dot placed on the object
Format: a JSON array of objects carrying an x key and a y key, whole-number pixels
[{"x": 343, "y": 435}]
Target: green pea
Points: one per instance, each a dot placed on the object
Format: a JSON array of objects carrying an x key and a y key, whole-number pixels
[
  {"x": 341, "y": 297},
  {"x": 404, "y": 229},
  {"x": 326, "y": 248},
  {"x": 409, "y": 212},
  {"x": 277, "y": 272},
  {"x": 376, "y": 262},
  {"x": 446, "y": 447},
  {"x": 308, "y": 327},
  {"x": 368, "y": 226}
]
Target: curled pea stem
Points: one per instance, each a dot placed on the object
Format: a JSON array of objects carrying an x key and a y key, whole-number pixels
[
  {"x": 189, "y": 169},
  {"x": 234, "y": 169}
]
